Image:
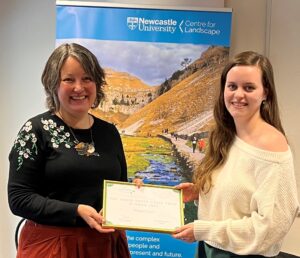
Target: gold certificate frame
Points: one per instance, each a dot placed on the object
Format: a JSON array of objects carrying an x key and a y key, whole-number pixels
[{"x": 152, "y": 208}]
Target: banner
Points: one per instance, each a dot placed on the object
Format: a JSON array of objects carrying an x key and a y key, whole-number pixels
[{"x": 162, "y": 71}]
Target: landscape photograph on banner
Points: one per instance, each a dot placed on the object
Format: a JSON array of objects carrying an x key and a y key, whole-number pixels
[
  {"x": 160, "y": 96},
  {"x": 162, "y": 70}
]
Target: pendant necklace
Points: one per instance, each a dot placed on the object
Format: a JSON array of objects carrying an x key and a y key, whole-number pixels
[{"x": 83, "y": 148}]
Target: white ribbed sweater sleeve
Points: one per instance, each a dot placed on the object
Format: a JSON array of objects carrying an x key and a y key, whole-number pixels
[{"x": 252, "y": 204}]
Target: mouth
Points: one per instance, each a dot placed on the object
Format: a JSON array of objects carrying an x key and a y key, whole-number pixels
[
  {"x": 238, "y": 104},
  {"x": 78, "y": 97}
]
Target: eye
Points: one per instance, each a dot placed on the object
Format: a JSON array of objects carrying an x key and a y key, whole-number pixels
[
  {"x": 87, "y": 79},
  {"x": 249, "y": 88},
  {"x": 68, "y": 80},
  {"x": 231, "y": 86}
]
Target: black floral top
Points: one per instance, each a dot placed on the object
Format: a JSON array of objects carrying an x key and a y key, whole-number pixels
[{"x": 48, "y": 179}]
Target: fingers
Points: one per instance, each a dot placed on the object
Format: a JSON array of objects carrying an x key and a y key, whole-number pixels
[
  {"x": 97, "y": 218},
  {"x": 96, "y": 223},
  {"x": 185, "y": 238},
  {"x": 99, "y": 228},
  {"x": 180, "y": 229},
  {"x": 138, "y": 182},
  {"x": 188, "y": 240},
  {"x": 185, "y": 233},
  {"x": 93, "y": 218},
  {"x": 184, "y": 185}
]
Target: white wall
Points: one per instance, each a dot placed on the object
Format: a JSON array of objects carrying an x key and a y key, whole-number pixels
[
  {"x": 185, "y": 3},
  {"x": 284, "y": 52},
  {"x": 27, "y": 37},
  {"x": 248, "y": 25}
]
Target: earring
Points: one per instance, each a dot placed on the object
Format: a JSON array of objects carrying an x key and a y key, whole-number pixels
[{"x": 263, "y": 102}]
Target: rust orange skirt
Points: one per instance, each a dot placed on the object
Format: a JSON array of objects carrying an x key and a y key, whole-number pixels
[{"x": 41, "y": 241}]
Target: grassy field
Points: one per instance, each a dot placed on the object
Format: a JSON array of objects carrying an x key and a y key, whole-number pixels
[{"x": 135, "y": 147}]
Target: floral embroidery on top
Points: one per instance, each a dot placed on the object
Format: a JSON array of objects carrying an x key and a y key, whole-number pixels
[
  {"x": 25, "y": 143},
  {"x": 21, "y": 145},
  {"x": 58, "y": 134}
]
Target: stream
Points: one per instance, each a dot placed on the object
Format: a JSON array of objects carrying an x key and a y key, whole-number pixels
[{"x": 161, "y": 171}]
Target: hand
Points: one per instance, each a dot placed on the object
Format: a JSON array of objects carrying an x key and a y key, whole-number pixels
[
  {"x": 138, "y": 182},
  {"x": 92, "y": 218},
  {"x": 189, "y": 192},
  {"x": 185, "y": 233}
]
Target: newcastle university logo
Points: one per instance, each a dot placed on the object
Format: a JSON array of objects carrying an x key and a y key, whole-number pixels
[{"x": 132, "y": 22}]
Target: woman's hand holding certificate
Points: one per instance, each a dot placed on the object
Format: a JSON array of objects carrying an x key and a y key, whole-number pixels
[{"x": 148, "y": 208}]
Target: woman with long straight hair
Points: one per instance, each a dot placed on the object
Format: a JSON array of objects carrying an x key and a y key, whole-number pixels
[{"x": 245, "y": 185}]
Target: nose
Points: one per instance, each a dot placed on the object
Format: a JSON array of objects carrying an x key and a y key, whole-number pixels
[
  {"x": 78, "y": 87},
  {"x": 239, "y": 93}
]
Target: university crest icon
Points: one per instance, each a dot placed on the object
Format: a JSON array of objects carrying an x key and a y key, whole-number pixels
[{"x": 132, "y": 22}]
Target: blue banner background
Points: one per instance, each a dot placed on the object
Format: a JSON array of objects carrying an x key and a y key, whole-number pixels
[
  {"x": 75, "y": 23},
  {"x": 144, "y": 25},
  {"x": 148, "y": 244}
]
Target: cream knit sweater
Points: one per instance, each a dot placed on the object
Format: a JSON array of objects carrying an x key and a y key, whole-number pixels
[{"x": 252, "y": 204}]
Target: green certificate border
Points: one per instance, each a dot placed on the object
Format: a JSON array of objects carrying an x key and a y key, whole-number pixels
[{"x": 111, "y": 224}]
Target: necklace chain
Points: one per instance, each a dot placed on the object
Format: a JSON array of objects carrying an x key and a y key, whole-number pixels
[{"x": 83, "y": 148}]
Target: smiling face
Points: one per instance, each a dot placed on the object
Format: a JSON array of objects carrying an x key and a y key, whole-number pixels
[
  {"x": 244, "y": 92},
  {"x": 76, "y": 91}
]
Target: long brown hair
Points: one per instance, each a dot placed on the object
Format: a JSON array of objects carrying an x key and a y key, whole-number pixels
[{"x": 224, "y": 131}]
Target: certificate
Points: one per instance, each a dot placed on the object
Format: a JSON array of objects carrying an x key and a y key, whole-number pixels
[{"x": 148, "y": 208}]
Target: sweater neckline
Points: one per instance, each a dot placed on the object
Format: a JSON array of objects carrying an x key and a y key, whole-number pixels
[{"x": 260, "y": 153}]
